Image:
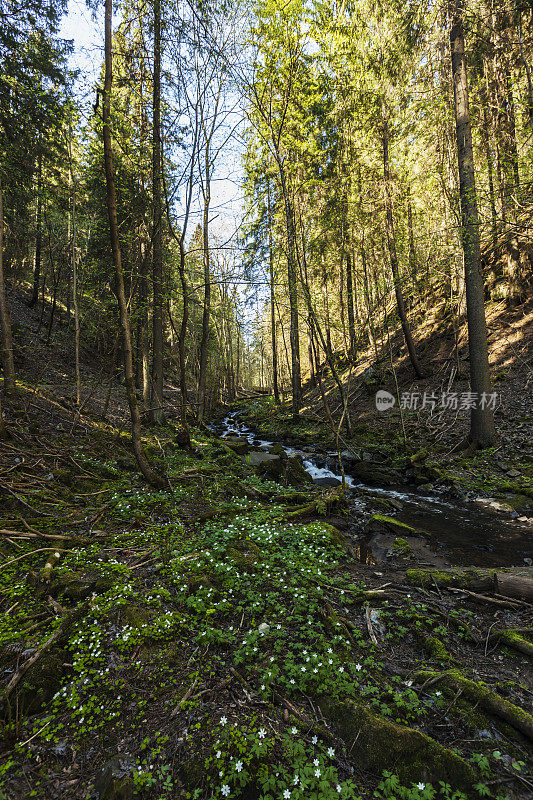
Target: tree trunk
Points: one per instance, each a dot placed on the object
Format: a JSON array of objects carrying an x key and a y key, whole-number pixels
[
  {"x": 74, "y": 279},
  {"x": 292, "y": 279},
  {"x": 482, "y": 430},
  {"x": 272, "y": 304},
  {"x": 56, "y": 278},
  {"x": 3, "y": 430},
  {"x": 391, "y": 241},
  {"x": 204, "y": 343},
  {"x": 349, "y": 299},
  {"x": 413, "y": 261},
  {"x": 144, "y": 465},
  {"x": 38, "y": 235},
  {"x": 327, "y": 321},
  {"x": 157, "y": 414},
  {"x": 485, "y": 135},
  {"x": 143, "y": 344},
  {"x": 5, "y": 320},
  {"x": 312, "y": 373},
  {"x": 368, "y": 299}
]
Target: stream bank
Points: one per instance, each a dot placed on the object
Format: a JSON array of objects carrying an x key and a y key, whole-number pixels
[{"x": 437, "y": 525}]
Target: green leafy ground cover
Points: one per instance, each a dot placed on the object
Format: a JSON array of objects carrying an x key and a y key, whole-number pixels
[{"x": 225, "y": 652}]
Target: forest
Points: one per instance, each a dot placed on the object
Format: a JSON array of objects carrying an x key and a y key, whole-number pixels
[{"x": 266, "y": 431}]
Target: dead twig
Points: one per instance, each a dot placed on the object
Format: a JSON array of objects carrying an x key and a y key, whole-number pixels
[
  {"x": 184, "y": 699},
  {"x": 369, "y": 626},
  {"x": 63, "y": 628}
]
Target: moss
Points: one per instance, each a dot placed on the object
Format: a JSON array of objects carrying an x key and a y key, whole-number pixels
[
  {"x": 79, "y": 585},
  {"x": 516, "y": 641},
  {"x": 243, "y": 560},
  {"x": 115, "y": 780},
  {"x": 334, "y": 535},
  {"x": 377, "y": 744},
  {"x": 516, "y": 488},
  {"x": 295, "y": 474},
  {"x": 191, "y": 773},
  {"x": 41, "y": 681},
  {"x": 64, "y": 476},
  {"x": 396, "y": 526},
  {"x": 436, "y": 648},
  {"x": 476, "y": 580},
  {"x": 136, "y": 616},
  {"x": 401, "y": 546},
  {"x": 516, "y": 501},
  {"x": 491, "y": 702}
]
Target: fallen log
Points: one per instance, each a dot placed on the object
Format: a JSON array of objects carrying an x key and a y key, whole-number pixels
[
  {"x": 511, "y": 585},
  {"x": 513, "y": 582}
]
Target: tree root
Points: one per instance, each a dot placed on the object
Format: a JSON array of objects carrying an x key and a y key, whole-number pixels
[
  {"x": 321, "y": 506},
  {"x": 63, "y": 629},
  {"x": 512, "y": 638},
  {"x": 487, "y": 699},
  {"x": 377, "y": 744}
]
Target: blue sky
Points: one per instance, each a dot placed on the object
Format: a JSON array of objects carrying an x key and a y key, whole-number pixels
[{"x": 86, "y": 30}]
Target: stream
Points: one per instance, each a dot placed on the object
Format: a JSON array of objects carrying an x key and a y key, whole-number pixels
[{"x": 476, "y": 533}]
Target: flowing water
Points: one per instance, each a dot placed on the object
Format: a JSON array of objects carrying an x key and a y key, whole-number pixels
[{"x": 457, "y": 533}]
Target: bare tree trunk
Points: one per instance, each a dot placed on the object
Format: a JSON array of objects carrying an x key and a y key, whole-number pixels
[
  {"x": 320, "y": 338},
  {"x": 272, "y": 304},
  {"x": 204, "y": 342},
  {"x": 482, "y": 430},
  {"x": 327, "y": 321},
  {"x": 529, "y": 103},
  {"x": 144, "y": 465},
  {"x": 157, "y": 414},
  {"x": 292, "y": 279},
  {"x": 38, "y": 234},
  {"x": 349, "y": 299},
  {"x": 143, "y": 345},
  {"x": 3, "y": 430},
  {"x": 485, "y": 135},
  {"x": 413, "y": 261},
  {"x": 5, "y": 320},
  {"x": 72, "y": 186},
  {"x": 391, "y": 241},
  {"x": 56, "y": 278}
]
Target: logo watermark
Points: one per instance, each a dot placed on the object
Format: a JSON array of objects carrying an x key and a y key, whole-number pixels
[
  {"x": 384, "y": 400},
  {"x": 431, "y": 401}
]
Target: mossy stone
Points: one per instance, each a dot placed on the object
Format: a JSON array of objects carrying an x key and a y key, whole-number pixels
[
  {"x": 115, "y": 779},
  {"x": 295, "y": 474}
]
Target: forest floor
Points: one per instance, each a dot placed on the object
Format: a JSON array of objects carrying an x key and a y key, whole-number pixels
[{"x": 224, "y": 637}]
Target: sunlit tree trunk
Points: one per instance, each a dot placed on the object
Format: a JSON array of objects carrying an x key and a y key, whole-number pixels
[
  {"x": 482, "y": 430},
  {"x": 349, "y": 300},
  {"x": 293, "y": 294},
  {"x": 272, "y": 303},
  {"x": 74, "y": 277},
  {"x": 391, "y": 241}
]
